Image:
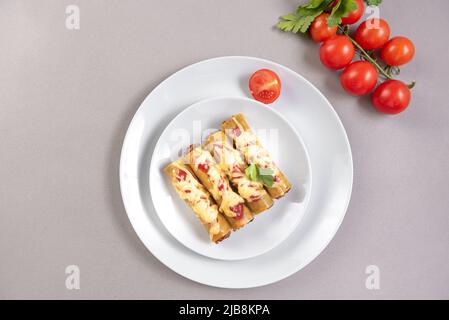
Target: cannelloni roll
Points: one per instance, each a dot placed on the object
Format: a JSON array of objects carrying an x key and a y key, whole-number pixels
[
  {"x": 249, "y": 145},
  {"x": 196, "y": 196},
  {"x": 232, "y": 163},
  {"x": 214, "y": 179}
]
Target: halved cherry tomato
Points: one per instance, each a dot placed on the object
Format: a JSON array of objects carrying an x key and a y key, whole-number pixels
[
  {"x": 337, "y": 53},
  {"x": 372, "y": 34},
  {"x": 359, "y": 78},
  {"x": 391, "y": 97},
  {"x": 265, "y": 86},
  {"x": 398, "y": 51},
  {"x": 320, "y": 31},
  {"x": 353, "y": 16},
  {"x": 238, "y": 210}
]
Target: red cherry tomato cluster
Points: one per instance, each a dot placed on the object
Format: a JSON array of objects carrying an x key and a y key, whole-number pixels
[{"x": 360, "y": 77}]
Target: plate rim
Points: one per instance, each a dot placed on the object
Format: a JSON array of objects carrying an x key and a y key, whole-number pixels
[
  {"x": 296, "y": 133},
  {"x": 333, "y": 112}
]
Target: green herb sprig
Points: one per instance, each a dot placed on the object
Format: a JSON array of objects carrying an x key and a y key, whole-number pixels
[
  {"x": 263, "y": 175},
  {"x": 302, "y": 18}
]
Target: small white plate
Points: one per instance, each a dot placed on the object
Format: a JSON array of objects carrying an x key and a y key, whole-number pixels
[{"x": 269, "y": 228}]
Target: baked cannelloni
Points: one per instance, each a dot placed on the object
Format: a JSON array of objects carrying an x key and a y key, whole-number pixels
[
  {"x": 232, "y": 163},
  {"x": 214, "y": 179},
  {"x": 196, "y": 196},
  {"x": 249, "y": 145}
]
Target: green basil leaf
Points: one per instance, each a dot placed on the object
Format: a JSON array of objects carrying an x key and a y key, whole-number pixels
[
  {"x": 252, "y": 172},
  {"x": 266, "y": 172},
  {"x": 268, "y": 180}
]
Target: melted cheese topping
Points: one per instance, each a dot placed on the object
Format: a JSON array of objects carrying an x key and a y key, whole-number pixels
[
  {"x": 191, "y": 191},
  {"x": 230, "y": 199},
  {"x": 221, "y": 191},
  {"x": 231, "y": 162},
  {"x": 214, "y": 175},
  {"x": 248, "y": 143}
]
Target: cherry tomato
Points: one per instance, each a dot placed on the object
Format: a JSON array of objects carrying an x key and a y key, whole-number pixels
[
  {"x": 320, "y": 31},
  {"x": 398, "y": 51},
  {"x": 391, "y": 97},
  {"x": 337, "y": 53},
  {"x": 359, "y": 78},
  {"x": 265, "y": 86},
  {"x": 372, "y": 34},
  {"x": 355, "y": 15}
]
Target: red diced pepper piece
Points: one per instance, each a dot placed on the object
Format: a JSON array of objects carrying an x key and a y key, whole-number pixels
[
  {"x": 237, "y": 131},
  {"x": 204, "y": 167},
  {"x": 182, "y": 175},
  {"x": 238, "y": 210}
]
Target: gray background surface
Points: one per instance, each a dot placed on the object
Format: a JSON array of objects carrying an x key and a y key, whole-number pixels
[{"x": 67, "y": 97}]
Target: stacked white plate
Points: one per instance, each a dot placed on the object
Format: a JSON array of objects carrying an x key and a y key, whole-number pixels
[{"x": 310, "y": 145}]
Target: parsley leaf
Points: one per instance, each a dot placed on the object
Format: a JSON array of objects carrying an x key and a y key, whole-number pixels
[
  {"x": 313, "y": 7},
  {"x": 263, "y": 175},
  {"x": 295, "y": 23},
  {"x": 373, "y": 2},
  {"x": 341, "y": 9},
  {"x": 300, "y": 20},
  {"x": 312, "y": 4}
]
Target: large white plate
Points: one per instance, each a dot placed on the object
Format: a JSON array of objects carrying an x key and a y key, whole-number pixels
[
  {"x": 315, "y": 120},
  {"x": 269, "y": 228}
]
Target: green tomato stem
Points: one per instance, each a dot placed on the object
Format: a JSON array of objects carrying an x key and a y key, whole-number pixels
[{"x": 366, "y": 56}]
